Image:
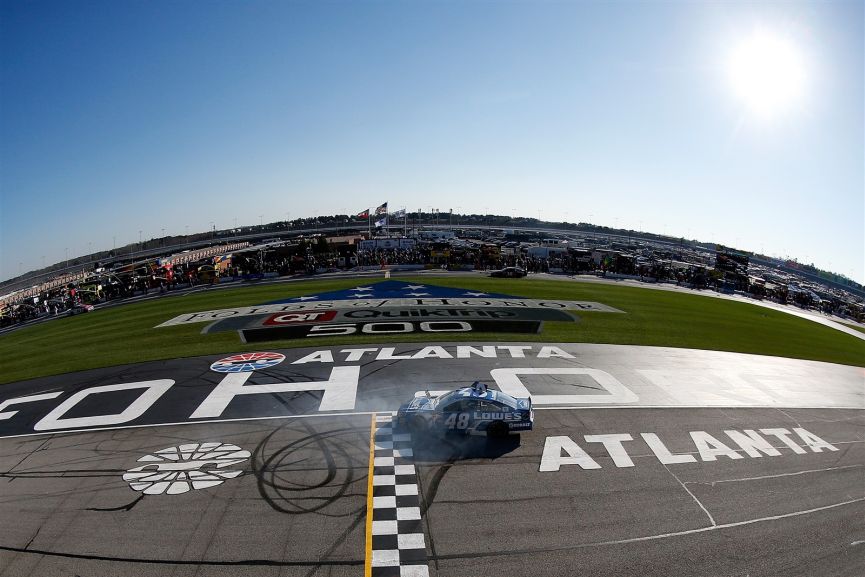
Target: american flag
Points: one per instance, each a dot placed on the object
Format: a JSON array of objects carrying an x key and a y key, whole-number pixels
[{"x": 381, "y": 210}]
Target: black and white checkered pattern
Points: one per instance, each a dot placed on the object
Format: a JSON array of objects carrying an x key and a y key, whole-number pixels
[{"x": 398, "y": 546}]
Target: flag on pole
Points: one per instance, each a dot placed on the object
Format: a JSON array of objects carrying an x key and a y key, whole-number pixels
[
  {"x": 364, "y": 214},
  {"x": 381, "y": 223},
  {"x": 398, "y": 214},
  {"x": 381, "y": 210}
]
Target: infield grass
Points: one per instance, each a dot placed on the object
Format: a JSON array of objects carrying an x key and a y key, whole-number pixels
[{"x": 126, "y": 334}]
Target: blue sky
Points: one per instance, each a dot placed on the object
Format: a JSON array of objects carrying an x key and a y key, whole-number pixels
[{"x": 117, "y": 117}]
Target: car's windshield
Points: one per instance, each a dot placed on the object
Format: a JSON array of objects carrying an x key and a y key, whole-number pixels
[{"x": 445, "y": 398}]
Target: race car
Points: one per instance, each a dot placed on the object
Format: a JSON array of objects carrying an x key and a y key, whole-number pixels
[{"x": 474, "y": 410}]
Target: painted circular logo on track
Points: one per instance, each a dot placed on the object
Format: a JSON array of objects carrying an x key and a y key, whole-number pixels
[
  {"x": 247, "y": 362},
  {"x": 195, "y": 466}
]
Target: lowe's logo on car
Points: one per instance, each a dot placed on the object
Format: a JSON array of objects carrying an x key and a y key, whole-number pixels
[
  {"x": 389, "y": 294},
  {"x": 494, "y": 416}
]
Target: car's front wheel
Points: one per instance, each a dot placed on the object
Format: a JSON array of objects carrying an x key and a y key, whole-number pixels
[{"x": 417, "y": 427}]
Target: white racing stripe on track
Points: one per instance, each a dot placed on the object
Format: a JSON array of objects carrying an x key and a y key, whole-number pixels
[
  {"x": 713, "y": 483},
  {"x": 676, "y": 533},
  {"x": 718, "y": 527},
  {"x": 694, "y": 497}
]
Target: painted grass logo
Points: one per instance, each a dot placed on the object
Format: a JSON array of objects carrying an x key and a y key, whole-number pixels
[
  {"x": 384, "y": 295},
  {"x": 177, "y": 470}
]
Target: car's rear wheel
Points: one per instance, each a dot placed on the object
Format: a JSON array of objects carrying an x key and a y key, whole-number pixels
[{"x": 497, "y": 430}]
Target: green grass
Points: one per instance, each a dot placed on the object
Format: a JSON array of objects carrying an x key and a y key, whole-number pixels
[{"x": 126, "y": 334}]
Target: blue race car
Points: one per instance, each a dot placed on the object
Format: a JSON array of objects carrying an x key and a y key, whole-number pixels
[{"x": 474, "y": 410}]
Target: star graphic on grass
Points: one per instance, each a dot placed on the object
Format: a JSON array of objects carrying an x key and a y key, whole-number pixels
[
  {"x": 306, "y": 298},
  {"x": 470, "y": 294}
]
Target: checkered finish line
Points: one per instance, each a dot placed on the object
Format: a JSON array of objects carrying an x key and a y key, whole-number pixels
[{"x": 398, "y": 546}]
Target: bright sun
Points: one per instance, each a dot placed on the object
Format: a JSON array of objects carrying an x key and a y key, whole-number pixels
[{"x": 767, "y": 73}]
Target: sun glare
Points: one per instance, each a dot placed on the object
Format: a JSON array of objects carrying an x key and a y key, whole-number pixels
[{"x": 767, "y": 73}]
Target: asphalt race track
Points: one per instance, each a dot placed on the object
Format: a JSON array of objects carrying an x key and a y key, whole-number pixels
[{"x": 643, "y": 461}]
